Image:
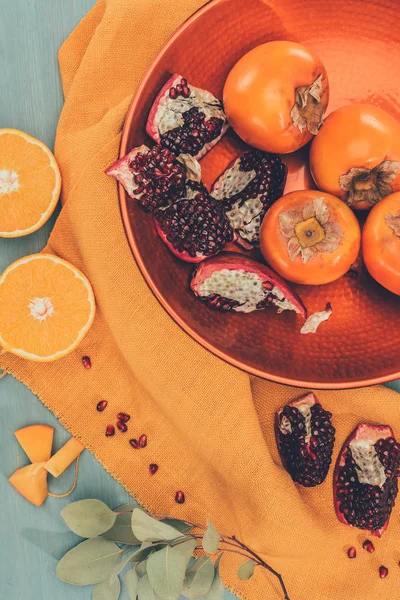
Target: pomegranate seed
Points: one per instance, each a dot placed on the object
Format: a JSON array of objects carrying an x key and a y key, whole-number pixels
[
  {"x": 383, "y": 572},
  {"x": 110, "y": 430},
  {"x": 122, "y": 426},
  {"x": 352, "y": 552},
  {"x": 368, "y": 546},
  {"x": 135, "y": 444},
  {"x": 86, "y": 362},
  {"x": 143, "y": 441},
  {"x": 186, "y": 92},
  {"x": 184, "y": 82},
  {"x": 173, "y": 93},
  {"x": 180, "y": 497},
  {"x": 101, "y": 405},
  {"x": 179, "y": 88},
  {"x": 124, "y": 417},
  {"x": 153, "y": 468}
]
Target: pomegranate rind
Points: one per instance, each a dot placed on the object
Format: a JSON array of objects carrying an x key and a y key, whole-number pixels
[
  {"x": 121, "y": 171},
  {"x": 366, "y": 432},
  {"x": 234, "y": 261},
  {"x": 307, "y": 400},
  {"x": 151, "y": 127}
]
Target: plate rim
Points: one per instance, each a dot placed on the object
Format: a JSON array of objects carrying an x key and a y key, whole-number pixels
[{"x": 123, "y": 202}]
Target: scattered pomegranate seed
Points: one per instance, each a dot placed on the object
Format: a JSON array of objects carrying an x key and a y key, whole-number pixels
[
  {"x": 135, "y": 444},
  {"x": 153, "y": 469},
  {"x": 383, "y": 572},
  {"x": 180, "y": 497},
  {"x": 352, "y": 552},
  {"x": 368, "y": 546},
  {"x": 122, "y": 426},
  {"x": 86, "y": 362},
  {"x": 101, "y": 405},
  {"x": 123, "y": 417},
  {"x": 143, "y": 441},
  {"x": 173, "y": 93},
  {"x": 110, "y": 430}
]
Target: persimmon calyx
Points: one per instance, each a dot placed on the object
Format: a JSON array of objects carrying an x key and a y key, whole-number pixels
[
  {"x": 393, "y": 221},
  {"x": 308, "y": 110},
  {"x": 310, "y": 231},
  {"x": 369, "y": 185}
]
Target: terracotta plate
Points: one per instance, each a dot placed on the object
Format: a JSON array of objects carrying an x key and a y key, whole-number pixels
[{"x": 359, "y": 42}]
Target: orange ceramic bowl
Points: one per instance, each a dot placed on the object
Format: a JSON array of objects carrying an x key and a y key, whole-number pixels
[{"x": 356, "y": 347}]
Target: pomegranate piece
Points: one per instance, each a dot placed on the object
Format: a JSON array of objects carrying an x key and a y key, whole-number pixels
[
  {"x": 232, "y": 281},
  {"x": 193, "y": 229},
  {"x": 186, "y": 119},
  {"x": 155, "y": 177},
  {"x": 365, "y": 480},
  {"x": 305, "y": 438},
  {"x": 247, "y": 188},
  {"x": 352, "y": 552}
]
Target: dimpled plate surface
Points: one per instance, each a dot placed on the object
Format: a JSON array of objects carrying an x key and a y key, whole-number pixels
[{"x": 359, "y": 43}]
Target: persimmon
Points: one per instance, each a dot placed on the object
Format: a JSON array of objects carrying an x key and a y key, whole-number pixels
[
  {"x": 310, "y": 237},
  {"x": 381, "y": 242},
  {"x": 356, "y": 155},
  {"x": 276, "y": 95}
]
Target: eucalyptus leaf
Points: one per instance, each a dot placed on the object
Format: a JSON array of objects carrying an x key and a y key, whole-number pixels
[
  {"x": 131, "y": 582},
  {"x": 147, "y": 529},
  {"x": 199, "y": 578},
  {"x": 187, "y": 548},
  {"x": 105, "y": 591},
  {"x": 211, "y": 539},
  {"x": 145, "y": 591},
  {"x": 177, "y": 524},
  {"x": 217, "y": 589},
  {"x": 141, "y": 568},
  {"x": 246, "y": 570},
  {"x": 88, "y": 518},
  {"x": 122, "y": 529},
  {"x": 166, "y": 572},
  {"x": 92, "y": 561},
  {"x": 137, "y": 556}
]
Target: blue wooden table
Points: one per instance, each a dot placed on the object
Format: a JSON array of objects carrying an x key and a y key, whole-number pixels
[{"x": 33, "y": 539}]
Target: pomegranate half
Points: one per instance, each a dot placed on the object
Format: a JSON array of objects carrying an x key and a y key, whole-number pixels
[
  {"x": 232, "y": 281},
  {"x": 305, "y": 437},
  {"x": 365, "y": 479}
]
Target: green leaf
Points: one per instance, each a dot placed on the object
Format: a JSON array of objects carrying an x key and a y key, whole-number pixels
[
  {"x": 187, "y": 548},
  {"x": 105, "y": 591},
  {"x": 166, "y": 572},
  {"x": 141, "y": 568},
  {"x": 92, "y": 561},
  {"x": 122, "y": 529},
  {"x": 145, "y": 591},
  {"x": 137, "y": 556},
  {"x": 211, "y": 539},
  {"x": 199, "y": 578},
  {"x": 217, "y": 589},
  {"x": 246, "y": 570},
  {"x": 147, "y": 529},
  {"x": 177, "y": 524},
  {"x": 131, "y": 582},
  {"x": 88, "y": 518}
]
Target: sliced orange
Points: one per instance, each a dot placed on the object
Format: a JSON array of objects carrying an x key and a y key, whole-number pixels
[
  {"x": 46, "y": 307},
  {"x": 30, "y": 183}
]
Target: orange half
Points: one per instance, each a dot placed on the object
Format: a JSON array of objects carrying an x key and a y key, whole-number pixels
[
  {"x": 30, "y": 183},
  {"x": 46, "y": 307}
]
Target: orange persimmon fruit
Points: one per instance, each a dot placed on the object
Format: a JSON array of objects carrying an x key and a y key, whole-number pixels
[
  {"x": 310, "y": 237},
  {"x": 276, "y": 95},
  {"x": 356, "y": 155},
  {"x": 31, "y": 483},
  {"x": 36, "y": 441},
  {"x": 381, "y": 242}
]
